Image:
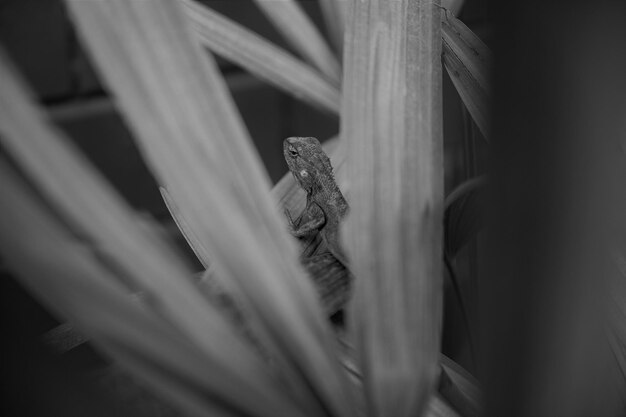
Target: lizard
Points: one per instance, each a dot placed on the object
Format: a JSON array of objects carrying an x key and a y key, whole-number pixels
[
  {"x": 324, "y": 210},
  {"x": 321, "y": 217}
]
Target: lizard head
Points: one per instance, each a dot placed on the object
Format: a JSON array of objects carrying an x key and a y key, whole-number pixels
[{"x": 307, "y": 161}]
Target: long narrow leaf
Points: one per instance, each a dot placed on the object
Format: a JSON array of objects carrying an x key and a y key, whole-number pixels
[
  {"x": 459, "y": 388},
  {"x": 391, "y": 116},
  {"x": 462, "y": 218},
  {"x": 475, "y": 54},
  {"x": 268, "y": 62},
  {"x": 92, "y": 208},
  {"x": 437, "y": 407},
  {"x": 335, "y": 17},
  {"x": 185, "y": 122},
  {"x": 468, "y": 61},
  {"x": 301, "y": 33},
  {"x": 474, "y": 97},
  {"x": 194, "y": 243},
  {"x": 65, "y": 273},
  {"x": 211, "y": 283}
]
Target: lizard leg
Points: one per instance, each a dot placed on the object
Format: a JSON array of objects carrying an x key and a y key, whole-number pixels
[
  {"x": 294, "y": 224},
  {"x": 311, "y": 225},
  {"x": 311, "y": 220}
]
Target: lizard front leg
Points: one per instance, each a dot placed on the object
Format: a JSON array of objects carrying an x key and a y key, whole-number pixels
[
  {"x": 310, "y": 226},
  {"x": 311, "y": 220}
]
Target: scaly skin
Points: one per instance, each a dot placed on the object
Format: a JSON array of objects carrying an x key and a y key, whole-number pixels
[{"x": 325, "y": 208}]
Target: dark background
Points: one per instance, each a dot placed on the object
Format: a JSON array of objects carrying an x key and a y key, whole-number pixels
[{"x": 41, "y": 41}]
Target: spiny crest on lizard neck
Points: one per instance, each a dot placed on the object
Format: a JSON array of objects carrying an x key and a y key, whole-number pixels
[{"x": 308, "y": 163}]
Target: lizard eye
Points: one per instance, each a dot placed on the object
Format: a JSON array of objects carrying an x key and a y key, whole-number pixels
[{"x": 292, "y": 151}]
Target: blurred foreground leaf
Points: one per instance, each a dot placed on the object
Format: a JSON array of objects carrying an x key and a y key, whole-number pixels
[
  {"x": 301, "y": 33},
  {"x": 184, "y": 119},
  {"x": 87, "y": 258},
  {"x": 392, "y": 125},
  {"x": 335, "y": 17},
  {"x": 262, "y": 58}
]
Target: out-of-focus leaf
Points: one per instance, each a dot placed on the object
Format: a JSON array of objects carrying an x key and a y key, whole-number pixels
[
  {"x": 96, "y": 213},
  {"x": 462, "y": 219},
  {"x": 66, "y": 274},
  {"x": 468, "y": 61},
  {"x": 437, "y": 407},
  {"x": 453, "y": 6},
  {"x": 335, "y": 17},
  {"x": 618, "y": 310},
  {"x": 459, "y": 388},
  {"x": 262, "y": 58},
  {"x": 392, "y": 125},
  {"x": 618, "y": 345},
  {"x": 64, "y": 338},
  {"x": 301, "y": 33},
  {"x": 188, "y": 129},
  {"x": 192, "y": 240}
]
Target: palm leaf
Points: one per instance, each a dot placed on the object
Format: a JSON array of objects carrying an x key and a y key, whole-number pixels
[
  {"x": 67, "y": 276},
  {"x": 194, "y": 243},
  {"x": 437, "y": 407},
  {"x": 458, "y": 387},
  {"x": 177, "y": 104},
  {"x": 462, "y": 219},
  {"x": 468, "y": 62},
  {"x": 263, "y": 59},
  {"x": 335, "y": 17},
  {"x": 301, "y": 33},
  {"x": 391, "y": 121},
  {"x": 98, "y": 215}
]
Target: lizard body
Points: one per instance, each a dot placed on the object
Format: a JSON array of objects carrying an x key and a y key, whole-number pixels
[{"x": 324, "y": 210}]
